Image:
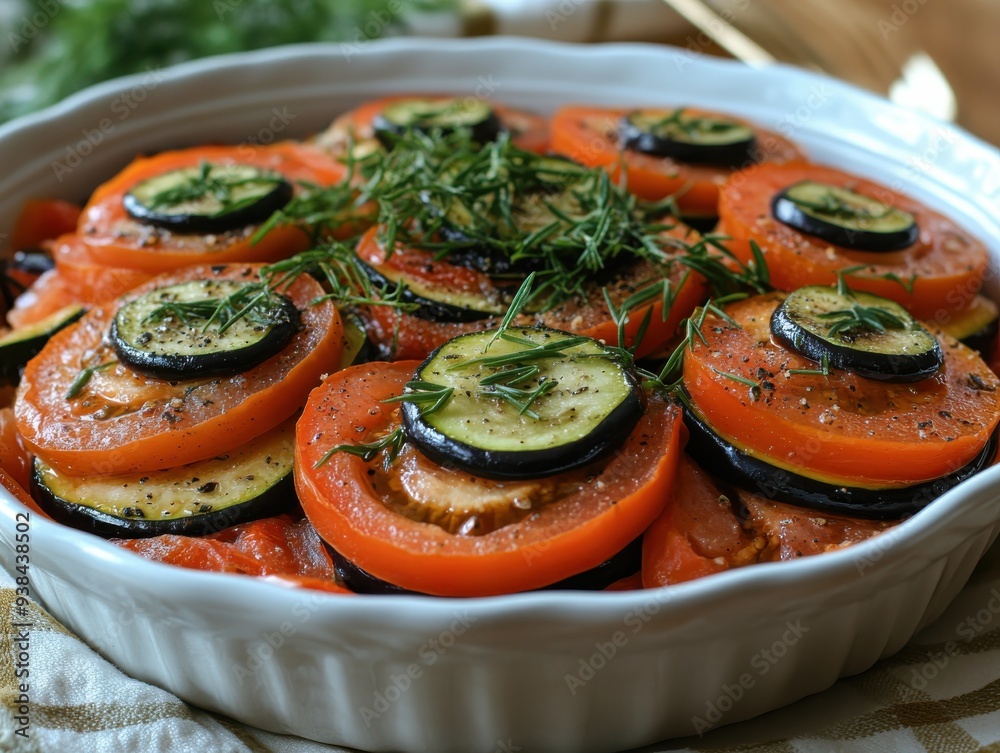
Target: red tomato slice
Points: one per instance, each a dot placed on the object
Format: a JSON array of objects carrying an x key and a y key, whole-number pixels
[
  {"x": 528, "y": 131},
  {"x": 14, "y": 458},
  {"x": 41, "y": 220},
  {"x": 116, "y": 240},
  {"x": 285, "y": 551},
  {"x": 792, "y": 532},
  {"x": 562, "y": 538},
  {"x": 842, "y": 428},
  {"x": 123, "y": 422},
  {"x": 697, "y": 534},
  {"x": 590, "y": 135},
  {"x": 948, "y": 264},
  {"x": 77, "y": 278}
]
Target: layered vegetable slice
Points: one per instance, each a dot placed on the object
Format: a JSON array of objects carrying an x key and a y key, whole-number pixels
[
  {"x": 358, "y": 129},
  {"x": 651, "y": 149},
  {"x": 436, "y": 529},
  {"x": 203, "y": 205},
  {"x": 84, "y": 411},
  {"x": 251, "y": 481},
  {"x": 940, "y": 273},
  {"x": 837, "y": 428}
]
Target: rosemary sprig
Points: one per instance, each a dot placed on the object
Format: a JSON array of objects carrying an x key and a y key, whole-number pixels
[
  {"x": 252, "y": 300},
  {"x": 823, "y": 370},
  {"x": 566, "y": 221},
  {"x": 503, "y": 384},
  {"x": 843, "y": 274},
  {"x": 213, "y": 181},
  {"x": 531, "y": 352},
  {"x": 83, "y": 378},
  {"x": 858, "y": 318},
  {"x": 430, "y": 397}
]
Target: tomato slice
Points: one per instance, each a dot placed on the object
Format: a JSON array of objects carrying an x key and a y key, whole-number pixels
[
  {"x": 792, "y": 532},
  {"x": 947, "y": 263},
  {"x": 14, "y": 458},
  {"x": 41, "y": 220},
  {"x": 528, "y": 131},
  {"x": 697, "y": 534},
  {"x": 283, "y": 550},
  {"x": 842, "y": 428},
  {"x": 116, "y": 240},
  {"x": 77, "y": 278},
  {"x": 559, "y": 539},
  {"x": 123, "y": 422},
  {"x": 403, "y": 336},
  {"x": 590, "y": 135}
]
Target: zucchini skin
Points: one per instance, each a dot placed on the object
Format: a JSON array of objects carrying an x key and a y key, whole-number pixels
[
  {"x": 20, "y": 346},
  {"x": 177, "y": 367},
  {"x": 634, "y": 137},
  {"x": 598, "y": 443},
  {"x": 194, "y": 224},
  {"x": 737, "y": 467},
  {"x": 883, "y": 367},
  {"x": 388, "y": 132},
  {"x": 274, "y": 501},
  {"x": 787, "y": 212},
  {"x": 428, "y": 308}
]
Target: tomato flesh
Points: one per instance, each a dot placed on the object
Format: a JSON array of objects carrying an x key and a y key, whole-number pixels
[
  {"x": 563, "y": 538},
  {"x": 842, "y": 428},
  {"x": 123, "y": 421}
]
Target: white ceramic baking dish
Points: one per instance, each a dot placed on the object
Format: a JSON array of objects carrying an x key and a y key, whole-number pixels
[{"x": 538, "y": 671}]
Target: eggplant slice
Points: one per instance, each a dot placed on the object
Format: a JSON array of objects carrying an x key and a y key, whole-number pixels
[{"x": 528, "y": 404}]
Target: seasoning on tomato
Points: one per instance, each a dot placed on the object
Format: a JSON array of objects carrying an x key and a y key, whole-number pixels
[
  {"x": 438, "y": 527},
  {"x": 823, "y": 437},
  {"x": 683, "y": 152},
  {"x": 785, "y": 208},
  {"x": 84, "y": 411},
  {"x": 204, "y": 205}
]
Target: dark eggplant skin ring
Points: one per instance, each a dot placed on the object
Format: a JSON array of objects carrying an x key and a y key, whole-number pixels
[
  {"x": 602, "y": 441},
  {"x": 483, "y": 132},
  {"x": 625, "y": 563},
  {"x": 273, "y": 501},
  {"x": 880, "y": 367},
  {"x": 430, "y": 310},
  {"x": 722, "y": 459},
  {"x": 188, "y": 224},
  {"x": 785, "y": 211},
  {"x": 178, "y": 368},
  {"x": 632, "y": 137}
]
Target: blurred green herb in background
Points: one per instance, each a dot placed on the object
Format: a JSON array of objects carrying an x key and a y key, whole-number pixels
[{"x": 52, "y": 48}]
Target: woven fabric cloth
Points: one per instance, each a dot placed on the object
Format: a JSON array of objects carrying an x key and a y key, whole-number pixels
[{"x": 941, "y": 694}]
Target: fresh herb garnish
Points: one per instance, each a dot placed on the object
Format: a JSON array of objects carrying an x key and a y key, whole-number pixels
[
  {"x": 83, "y": 378},
  {"x": 254, "y": 301},
  {"x": 220, "y": 183},
  {"x": 430, "y": 397}
]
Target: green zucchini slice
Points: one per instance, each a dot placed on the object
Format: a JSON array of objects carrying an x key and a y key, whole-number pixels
[
  {"x": 208, "y": 198},
  {"x": 530, "y": 403},
  {"x": 436, "y": 303},
  {"x": 756, "y": 474},
  {"x": 976, "y": 325},
  {"x": 203, "y": 328},
  {"x": 21, "y": 345},
  {"x": 687, "y": 136},
  {"x": 863, "y": 333},
  {"x": 844, "y": 217},
  {"x": 436, "y": 114},
  {"x": 253, "y": 481}
]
